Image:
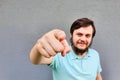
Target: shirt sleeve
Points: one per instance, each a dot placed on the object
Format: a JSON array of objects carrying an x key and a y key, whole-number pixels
[
  {"x": 55, "y": 61},
  {"x": 99, "y": 66}
]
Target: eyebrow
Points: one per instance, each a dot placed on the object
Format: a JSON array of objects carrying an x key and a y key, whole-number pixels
[{"x": 83, "y": 33}]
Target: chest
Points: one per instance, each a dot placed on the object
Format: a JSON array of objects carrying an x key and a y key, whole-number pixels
[{"x": 79, "y": 67}]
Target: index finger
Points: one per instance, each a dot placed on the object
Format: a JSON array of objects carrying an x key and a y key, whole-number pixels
[{"x": 66, "y": 47}]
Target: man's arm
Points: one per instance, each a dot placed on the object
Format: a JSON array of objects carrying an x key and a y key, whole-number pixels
[
  {"x": 99, "y": 77},
  {"x": 48, "y": 46}
]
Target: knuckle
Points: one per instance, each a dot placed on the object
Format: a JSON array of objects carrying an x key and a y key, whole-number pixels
[
  {"x": 41, "y": 41},
  {"x": 47, "y": 36},
  {"x": 53, "y": 54},
  {"x": 59, "y": 49},
  {"x": 47, "y": 55}
]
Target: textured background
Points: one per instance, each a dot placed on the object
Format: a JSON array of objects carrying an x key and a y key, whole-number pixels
[{"x": 22, "y": 22}]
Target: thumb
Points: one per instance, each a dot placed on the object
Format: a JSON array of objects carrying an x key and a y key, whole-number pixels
[{"x": 59, "y": 34}]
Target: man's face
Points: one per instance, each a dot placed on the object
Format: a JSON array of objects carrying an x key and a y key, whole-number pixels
[{"x": 82, "y": 38}]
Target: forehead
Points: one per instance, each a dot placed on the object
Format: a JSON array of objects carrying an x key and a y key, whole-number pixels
[{"x": 84, "y": 30}]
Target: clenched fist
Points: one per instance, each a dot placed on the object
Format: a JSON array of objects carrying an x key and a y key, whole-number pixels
[{"x": 53, "y": 42}]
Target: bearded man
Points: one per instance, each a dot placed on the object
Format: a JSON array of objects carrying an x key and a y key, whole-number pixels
[{"x": 75, "y": 62}]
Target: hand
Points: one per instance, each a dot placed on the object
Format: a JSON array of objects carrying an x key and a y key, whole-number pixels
[{"x": 53, "y": 42}]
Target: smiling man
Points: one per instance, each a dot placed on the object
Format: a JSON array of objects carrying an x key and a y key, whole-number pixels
[{"x": 75, "y": 62}]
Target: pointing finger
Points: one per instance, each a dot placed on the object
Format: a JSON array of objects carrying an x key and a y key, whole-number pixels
[{"x": 66, "y": 48}]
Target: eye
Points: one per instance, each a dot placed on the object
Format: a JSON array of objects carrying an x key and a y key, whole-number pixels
[
  {"x": 88, "y": 35},
  {"x": 79, "y": 34}
]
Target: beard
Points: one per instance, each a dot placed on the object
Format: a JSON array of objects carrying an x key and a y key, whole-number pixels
[{"x": 77, "y": 50}]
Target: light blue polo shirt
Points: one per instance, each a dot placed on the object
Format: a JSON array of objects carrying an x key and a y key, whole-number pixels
[{"x": 73, "y": 67}]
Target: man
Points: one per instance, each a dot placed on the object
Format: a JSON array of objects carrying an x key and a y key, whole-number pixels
[{"x": 75, "y": 62}]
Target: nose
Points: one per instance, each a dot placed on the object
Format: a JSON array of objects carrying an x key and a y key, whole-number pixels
[{"x": 83, "y": 38}]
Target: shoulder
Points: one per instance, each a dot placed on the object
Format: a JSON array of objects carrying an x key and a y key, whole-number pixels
[{"x": 93, "y": 52}]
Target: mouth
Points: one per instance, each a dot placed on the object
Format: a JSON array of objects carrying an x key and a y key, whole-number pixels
[{"x": 82, "y": 44}]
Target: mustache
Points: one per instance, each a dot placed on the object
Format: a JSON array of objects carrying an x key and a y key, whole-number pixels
[{"x": 81, "y": 42}]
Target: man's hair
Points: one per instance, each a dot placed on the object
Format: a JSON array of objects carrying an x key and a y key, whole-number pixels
[{"x": 83, "y": 22}]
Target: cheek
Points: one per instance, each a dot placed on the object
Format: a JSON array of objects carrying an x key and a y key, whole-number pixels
[
  {"x": 89, "y": 41},
  {"x": 75, "y": 40},
  {"x": 72, "y": 40}
]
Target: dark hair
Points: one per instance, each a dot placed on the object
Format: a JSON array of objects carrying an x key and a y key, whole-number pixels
[{"x": 83, "y": 22}]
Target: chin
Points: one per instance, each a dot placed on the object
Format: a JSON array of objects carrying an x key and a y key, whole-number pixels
[{"x": 82, "y": 48}]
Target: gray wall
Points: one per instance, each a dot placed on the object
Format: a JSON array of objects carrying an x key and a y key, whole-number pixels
[{"x": 22, "y": 22}]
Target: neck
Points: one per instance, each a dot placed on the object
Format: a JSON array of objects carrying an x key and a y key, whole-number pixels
[{"x": 82, "y": 55}]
